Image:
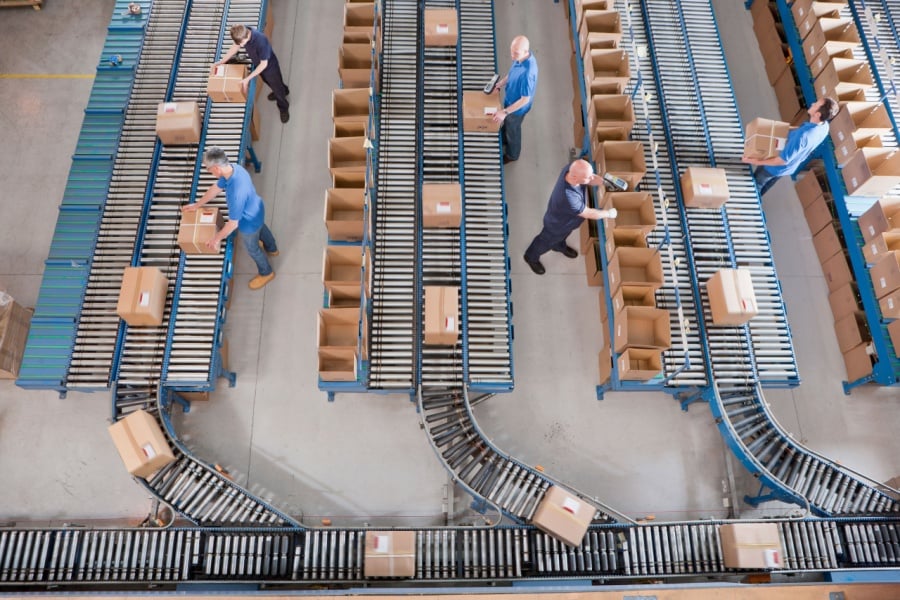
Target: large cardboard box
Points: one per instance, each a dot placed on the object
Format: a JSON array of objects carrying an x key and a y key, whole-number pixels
[
  {"x": 642, "y": 327},
  {"x": 803, "y": 9},
  {"x": 827, "y": 243},
  {"x": 224, "y": 85},
  {"x": 732, "y": 300},
  {"x": 441, "y": 315},
  {"x": 141, "y": 444},
  {"x": 345, "y": 213},
  {"x": 337, "y": 364},
  {"x": 855, "y": 126},
  {"x": 852, "y": 330},
  {"x": 841, "y": 78},
  {"x": 773, "y": 50},
  {"x": 441, "y": 27},
  {"x": 881, "y": 244},
  {"x": 750, "y": 545},
  {"x": 703, "y": 187},
  {"x": 818, "y": 64},
  {"x": 634, "y": 210},
  {"x": 198, "y": 227},
  {"x": 441, "y": 204},
  {"x": 178, "y": 123},
  {"x": 623, "y": 159},
  {"x": 844, "y": 301},
  {"x": 593, "y": 269},
  {"x": 355, "y": 65},
  {"x": 763, "y": 19},
  {"x": 610, "y": 117},
  {"x": 787, "y": 95},
  {"x": 584, "y": 5},
  {"x": 765, "y": 138},
  {"x": 886, "y": 273},
  {"x": 605, "y": 66},
  {"x": 837, "y": 271},
  {"x": 342, "y": 327},
  {"x": 858, "y": 362},
  {"x": 599, "y": 29},
  {"x": 345, "y": 269},
  {"x": 894, "y": 333},
  {"x": 818, "y": 215},
  {"x": 347, "y": 155},
  {"x": 872, "y": 171},
  {"x": 142, "y": 298},
  {"x": 563, "y": 515},
  {"x": 350, "y": 105},
  {"x": 883, "y": 215},
  {"x": 15, "y": 321},
  {"x": 390, "y": 554},
  {"x": 809, "y": 187},
  {"x": 890, "y": 307},
  {"x": 635, "y": 267},
  {"x": 838, "y": 34},
  {"x": 479, "y": 110},
  {"x": 639, "y": 364}
]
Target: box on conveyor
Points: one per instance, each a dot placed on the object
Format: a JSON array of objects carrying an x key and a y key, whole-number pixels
[
  {"x": 634, "y": 210},
  {"x": 890, "y": 307},
  {"x": 345, "y": 213},
  {"x": 599, "y": 29},
  {"x": 479, "y": 110},
  {"x": 704, "y": 187},
  {"x": 858, "y": 361},
  {"x": 750, "y": 545},
  {"x": 198, "y": 227},
  {"x": 642, "y": 327},
  {"x": 563, "y": 515},
  {"x": 623, "y": 159},
  {"x": 342, "y": 328},
  {"x": 142, "y": 298},
  {"x": 732, "y": 300},
  {"x": 224, "y": 84},
  {"x": 390, "y": 554},
  {"x": 441, "y": 204},
  {"x": 441, "y": 27},
  {"x": 809, "y": 187},
  {"x": 441, "y": 315},
  {"x": 178, "y": 123},
  {"x": 141, "y": 443}
]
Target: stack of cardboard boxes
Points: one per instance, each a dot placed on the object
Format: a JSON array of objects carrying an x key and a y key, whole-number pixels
[
  {"x": 358, "y": 54},
  {"x": 880, "y": 226},
  {"x": 441, "y": 208},
  {"x": 776, "y": 56}
]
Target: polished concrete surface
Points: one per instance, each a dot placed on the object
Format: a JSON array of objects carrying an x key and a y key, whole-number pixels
[{"x": 364, "y": 458}]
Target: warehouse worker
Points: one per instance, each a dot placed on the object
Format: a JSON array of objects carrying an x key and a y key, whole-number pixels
[
  {"x": 799, "y": 146},
  {"x": 520, "y": 83},
  {"x": 566, "y": 210},
  {"x": 259, "y": 49},
  {"x": 246, "y": 212}
]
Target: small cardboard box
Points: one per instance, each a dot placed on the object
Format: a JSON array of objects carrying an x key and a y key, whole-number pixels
[
  {"x": 858, "y": 362},
  {"x": 350, "y": 105},
  {"x": 337, "y": 364},
  {"x": 142, "y": 298},
  {"x": 581, "y": 6},
  {"x": 224, "y": 85},
  {"x": 844, "y": 301},
  {"x": 818, "y": 64},
  {"x": 841, "y": 78},
  {"x": 765, "y": 138},
  {"x": 390, "y": 554},
  {"x": 852, "y": 330},
  {"x": 894, "y": 333},
  {"x": 441, "y": 27},
  {"x": 732, "y": 300},
  {"x": 640, "y": 267},
  {"x": 633, "y": 296},
  {"x": 343, "y": 269},
  {"x": 750, "y": 545},
  {"x": 890, "y": 308},
  {"x": 818, "y": 215},
  {"x": 622, "y": 238},
  {"x": 703, "y": 187},
  {"x": 635, "y": 210},
  {"x": 787, "y": 95},
  {"x": 587, "y": 235},
  {"x": 880, "y": 244},
  {"x": 479, "y": 110},
  {"x": 441, "y": 204},
  {"x": 610, "y": 117},
  {"x": 640, "y": 364},
  {"x": 198, "y": 227},
  {"x": 642, "y": 327},
  {"x": 355, "y": 65},
  {"x": 345, "y": 213},
  {"x": 605, "y": 66},
  {"x": 600, "y": 29},
  {"x": 563, "y": 515},
  {"x": 809, "y": 187},
  {"x": 886, "y": 273},
  {"x": 803, "y": 9},
  {"x": 838, "y": 34},
  {"x": 827, "y": 243},
  {"x": 141, "y": 444},
  {"x": 359, "y": 17},
  {"x": 15, "y": 321},
  {"x": 593, "y": 269},
  {"x": 773, "y": 51},
  {"x": 872, "y": 171},
  {"x": 837, "y": 271},
  {"x": 347, "y": 155},
  {"x": 342, "y": 328},
  {"x": 623, "y": 159},
  {"x": 604, "y": 362},
  {"x": 178, "y": 123},
  {"x": 883, "y": 215},
  {"x": 857, "y": 125},
  {"x": 441, "y": 315}
]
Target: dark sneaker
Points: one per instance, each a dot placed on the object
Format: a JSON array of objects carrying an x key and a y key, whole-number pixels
[
  {"x": 271, "y": 96},
  {"x": 570, "y": 252},
  {"x": 285, "y": 116},
  {"x": 536, "y": 266}
]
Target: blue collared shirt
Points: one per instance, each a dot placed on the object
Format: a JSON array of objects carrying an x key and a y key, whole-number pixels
[
  {"x": 800, "y": 144},
  {"x": 520, "y": 82},
  {"x": 244, "y": 204}
]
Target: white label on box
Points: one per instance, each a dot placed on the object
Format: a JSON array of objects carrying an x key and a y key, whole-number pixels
[
  {"x": 618, "y": 302},
  {"x": 169, "y": 107},
  {"x": 704, "y": 189},
  {"x": 144, "y": 299},
  {"x": 771, "y": 559},
  {"x": 618, "y": 329},
  {"x": 871, "y": 227},
  {"x": 855, "y": 185},
  {"x": 844, "y": 151},
  {"x": 148, "y": 450},
  {"x": 220, "y": 71},
  {"x": 571, "y": 505},
  {"x": 448, "y": 323},
  {"x": 207, "y": 216},
  {"x": 382, "y": 543},
  {"x": 442, "y": 28},
  {"x": 442, "y": 207},
  {"x": 874, "y": 249},
  {"x": 622, "y": 364},
  {"x": 824, "y": 90},
  {"x": 890, "y": 304},
  {"x": 841, "y": 135},
  {"x": 883, "y": 282},
  {"x": 779, "y": 143},
  {"x": 490, "y": 110}
]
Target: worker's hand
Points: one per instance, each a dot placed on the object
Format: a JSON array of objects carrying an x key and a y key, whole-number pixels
[
  {"x": 749, "y": 161},
  {"x": 213, "y": 244},
  {"x": 499, "y": 116},
  {"x": 189, "y": 207},
  {"x": 611, "y": 213},
  {"x": 245, "y": 85}
]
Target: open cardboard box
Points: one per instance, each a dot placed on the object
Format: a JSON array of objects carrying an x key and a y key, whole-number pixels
[
  {"x": 841, "y": 78},
  {"x": 838, "y": 34},
  {"x": 883, "y": 215},
  {"x": 344, "y": 268},
  {"x": 886, "y": 273},
  {"x": 605, "y": 66},
  {"x": 342, "y": 328},
  {"x": 350, "y": 105},
  {"x": 872, "y": 171},
  {"x": 355, "y": 65},
  {"x": 600, "y": 29},
  {"x": 880, "y": 245},
  {"x": 623, "y": 159},
  {"x": 345, "y": 213},
  {"x": 642, "y": 327},
  {"x": 635, "y": 267},
  {"x": 890, "y": 308},
  {"x": 856, "y": 125},
  {"x": 635, "y": 210},
  {"x": 337, "y": 364},
  {"x": 639, "y": 364},
  {"x": 347, "y": 155},
  {"x": 610, "y": 116}
]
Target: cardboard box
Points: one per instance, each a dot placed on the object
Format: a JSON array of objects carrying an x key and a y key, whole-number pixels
[
  {"x": 633, "y": 296},
  {"x": 787, "y": 95},
  {"x": 803, "y": 9},
  {"x": 441, "y": 27},
  {"x": 827, "y": 243},
  {"x": 347, "y": 155},
  {"x": 819, "y": 62},
  {"x": 142, "y": 298},
  {"x": 642, "y": 327},
  {"x": 622, "y": 238},
  {"x": 587, "y": 235},
  {"x": 359, "y": 16},
  {"x": 838, "y": 34},
  {"x": 337, "y": 364},
  {"x": 141, "y": 444},
  {"x": 855, "y": 126},
  {"x": 604, "y": 362},
  {"x": 837, "y": 271},
  {"x": 599, "y": 29},
  {"x": 198, "y": 227},
  {"x": 344, "y": 269},
  {"x": 703, "y": 187},
  {"x": 842, "y": 77},
  {"x": 441, "y": 315},
  {"x": 345, "y": 213},
  {"x": 858, "y": 362},
  {"x": 593, "y": 269},
  {"x": 872, "y": 171},
  {"x": 390, "y": 554},
  {"x": 774, "y": 52},
  {"x": 750, "y": 545},
  {"x": 640, "y": 364},
  {"x": 883, "y": 215},
  {"x": 844, "y": 301},
  {"x": 765, "y": 138},
  {"x": 763, "y": 19},
  {"x": 881, "y": 244},
  {"x": 890, "y": 307},
  {"x": 15, "y": 320},
  {"x": 350, "y": 105},
  {"x": 635, "y": 267},
  {"x": 178, "y": 123},
  {"x": 584, "y": 5},
  {"x": 886, "y": 273},
  {"x": 809, "y": 187},
  {"x": 818, "y": 215},
  {"x": 852, "y": 330},
  {"x": 563, "y": 515},
  {"x": 894, "y": 333},
  {"x": 441, "y": 204},
  {"x": 605, "y": 66},
  {"x": 610, "y": 117},
  {"x": 479, "y": 110},
  {"x": 355, "y": 65},
  {"x": 635, "y": 210},
  {"x": 342, "y": 327},
  {"x": 732, "y": 300},
  {"x": 623, "y": 159},
  {"x": 224, "y": 85}
]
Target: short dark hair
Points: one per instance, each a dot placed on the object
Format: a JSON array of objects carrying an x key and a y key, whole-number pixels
[
  {"x": 829, "y": 109},
  {"x": 239, "y": 33}
]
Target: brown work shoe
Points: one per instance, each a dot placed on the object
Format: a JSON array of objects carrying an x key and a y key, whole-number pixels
[{"x": 261, "y": 280}]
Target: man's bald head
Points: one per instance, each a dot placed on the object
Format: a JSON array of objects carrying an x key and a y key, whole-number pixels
[
  {"x": 581, "y": 170},
  {"x": 519, "y": 48}
]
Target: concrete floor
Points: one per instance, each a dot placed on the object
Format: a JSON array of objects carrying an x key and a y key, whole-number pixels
[{"x": 363, "y": 458}]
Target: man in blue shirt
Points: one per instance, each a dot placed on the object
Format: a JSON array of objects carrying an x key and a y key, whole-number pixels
[
  {"x": 258, "y": 48},
  {"x": 520, "y": 83},
  {"x": 246, "y": 212},
  {"x": 801, "y": 143},
  {"x": 565, "y": 212}
]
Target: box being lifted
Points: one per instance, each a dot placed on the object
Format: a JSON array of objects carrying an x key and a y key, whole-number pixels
[
  {"x": 732, "y": 300},
  {"x": 142, "y": 298},
  {"x": 765, "y": 138},
  {"x": 224, "y": 84},
  {"x": 198, "y": 227},
  {"x": 479, "y": 110},
  {"x": 178, "y": 123},
  {"x": 563, "y": 516},
  {"x": 141, "y": 444},
  {"x": 703, "y": 187}
]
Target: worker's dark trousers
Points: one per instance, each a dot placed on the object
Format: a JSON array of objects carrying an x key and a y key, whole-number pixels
[
  {"x": 272, "y": 77},
  {"x": 764, "y": 180},
  {"x": 544, "y": 241},
  {"x": 512, "y": 136}
]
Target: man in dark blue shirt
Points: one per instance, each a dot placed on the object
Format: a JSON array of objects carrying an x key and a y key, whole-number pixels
[
  {"x": 566, "y": 210},
  {"x": 520, "y": 84},
  {"x": 258, "y": 48}
]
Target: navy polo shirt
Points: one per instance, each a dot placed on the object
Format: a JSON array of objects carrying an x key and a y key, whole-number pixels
[
  {"x": 258, "y": 47},
  {"x": 566, "y": 203}
]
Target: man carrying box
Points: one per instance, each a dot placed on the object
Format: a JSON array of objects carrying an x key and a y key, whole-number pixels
[
  {"x": 259, "y": 49},
  {"x": 520, "y": 83},
  {"x": 801, "y": 143},
  {"x": 246, "y": 212}
]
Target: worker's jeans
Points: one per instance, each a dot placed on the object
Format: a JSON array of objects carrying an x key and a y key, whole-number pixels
[
  {"x": 764, "y": 180},
  {"x": 512, "y": 136},
  {"x": 544, "y": 241},
  {"x": 272, "y": 77},
  {"x": 251, "y": 243}
]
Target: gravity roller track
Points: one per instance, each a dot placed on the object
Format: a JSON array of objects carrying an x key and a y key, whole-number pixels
[
  {"x": 32, "y": 559},
  {"x": 392, "y": 355}
]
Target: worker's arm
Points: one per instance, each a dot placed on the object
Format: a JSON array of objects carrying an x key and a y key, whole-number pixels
[
  {"x": 231, "y": 52},
  {"x": 259, "y": 69},
  {"x": 775, "y": 161},
  {"x": 595, "y": 214},
  {"x": 501, "y": 114},
  {"x": 223, "y": 233},
  {"x": 211, "y": 193}
]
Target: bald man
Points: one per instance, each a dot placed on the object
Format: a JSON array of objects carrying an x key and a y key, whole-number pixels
[
  {"x": 566, "y": 210},
  {"x": 519, "y": 83}
]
